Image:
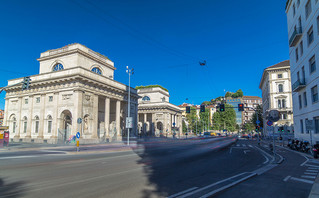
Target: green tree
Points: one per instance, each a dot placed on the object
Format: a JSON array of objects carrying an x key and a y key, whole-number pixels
[
  {"x": 248, "y": 127},
  {"x": 184, "y": 126},
  {"x": 204, "y": 118},
  {"x": 260, "y": 117},
  {"x": 225, "y": 119}
]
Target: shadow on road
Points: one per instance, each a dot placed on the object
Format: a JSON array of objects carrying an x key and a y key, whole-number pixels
[
  {"x": 169, "y": 164},
  {"x": 11, "y": 190}
]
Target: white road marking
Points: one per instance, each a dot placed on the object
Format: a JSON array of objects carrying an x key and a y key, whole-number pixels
[
  {"x": 245, "y": 151},
  {"x": 310, "y": 173},
  {"x": 227, "y": 186},
  {"x": 307, "y": 159},
  {"x": 311, "y": 165},
  {"x": 244, "y": 144},
  {"x": 286, "y": 178},
  {"x": 302, "y": 180},
  {"x": 308, "y": 176},
  {"x": 250, "y": 145},
  {"x": 230, "y": 150},
  {"x": 18, "y": 157},
  {"x": 237, "y": 145},
  {"x": 314, "y": 161},
  {"x": 314, "y": 171},
  {"x": 211, "y": 185},
  {"x": 183, "y": 192}
]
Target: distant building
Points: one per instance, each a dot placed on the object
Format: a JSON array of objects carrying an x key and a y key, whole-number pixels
[
  {"x": 276, "y": 95},
  {"x": 234, "y": 102},
  {"x": 303, "y": 32},
  {"x": 74, "y": 83},
  {"x": 252, "y": 102},
  {"x": 156, "y": 115}
]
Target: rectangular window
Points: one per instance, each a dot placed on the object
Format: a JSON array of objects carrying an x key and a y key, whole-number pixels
[
  {"x": 301, "y": 126},
  {"x": 318, "y": 24},
  {"x": 314, "y": 94},
  {"x": 301, "y": 48},
  {"x": 38, "y": 99},
  {"x": 300, "y": 102},
  {"x": 50, "y": 98},
  {"x": 279, "y": 104},
  {"x": 297, "y": 55},
  {"x": 305, "y": 98},
  {"x": 303, "y": 74},
  {"x": 312, "y": 64},
  {"x": 37, "y": 126},
  {"x": 49, "y": 126},
  {"x": 293, "y": 10},
  {"x": 25, "y": 127},
  {"x": 308, "y": 8},
  {"x": 307, "y": 131},
  {"x": 26, "y": 101},
  {"x": 316, "y": 119},
  {"x": 284, "y": 116},
  {"x": 283, "y": 103},
  {"x": 310, "y": 36},
  {"x": 298, "y": 3},
  {"x": 279, "y": 75}
]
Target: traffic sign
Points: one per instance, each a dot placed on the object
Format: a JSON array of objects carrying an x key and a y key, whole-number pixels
[
  {"x": 129, "y": 122},
  {"x": 273, "y": 116},
  {"x": 257, "y": 122},
  {"x": 79, "y": 120},
  {"x": 78, "y": 134},
  {"x": 269, "y": 123}
]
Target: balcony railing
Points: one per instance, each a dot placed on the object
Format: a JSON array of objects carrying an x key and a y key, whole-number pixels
[
  {"x": 295, "y": 37},
  {"x": 299, "y": 84}
]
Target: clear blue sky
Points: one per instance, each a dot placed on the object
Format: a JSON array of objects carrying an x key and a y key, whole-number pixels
[{"x": 162, "y": 40}]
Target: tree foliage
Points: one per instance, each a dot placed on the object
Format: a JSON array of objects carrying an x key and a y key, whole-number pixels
[
  {"x": 260, "y": 117},
  {"x": 225, "y": 119}
]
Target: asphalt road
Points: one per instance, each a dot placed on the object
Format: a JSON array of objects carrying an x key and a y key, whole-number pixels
[{"x": 179, "y": 168}]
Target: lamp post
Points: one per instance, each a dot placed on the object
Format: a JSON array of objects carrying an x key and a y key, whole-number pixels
[{"x": 129, "y": 118}]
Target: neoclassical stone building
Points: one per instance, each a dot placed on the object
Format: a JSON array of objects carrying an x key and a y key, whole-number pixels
[
  {"x": 74, "y": 82},
  {"x": 156, "y": 116}
]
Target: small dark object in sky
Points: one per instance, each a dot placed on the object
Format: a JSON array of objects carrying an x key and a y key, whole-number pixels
[{"x": 202, "y": 63}]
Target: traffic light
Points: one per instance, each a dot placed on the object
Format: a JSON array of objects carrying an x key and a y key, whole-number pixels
[
  {"x": 188, "y": 109},
  {"x": 257, "y": 128},
  {"x": 241, "y": 107},
  {"x": 222, "y": 107},
  {"x": 26, "y": 83},
  {"x": 202, "y": 108}
]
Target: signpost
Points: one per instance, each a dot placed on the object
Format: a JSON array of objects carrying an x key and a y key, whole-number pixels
[
  {"x": 129, "y": 122},
  {"x": 269, "y": 123},
  {"x": 78, "y": 142}
]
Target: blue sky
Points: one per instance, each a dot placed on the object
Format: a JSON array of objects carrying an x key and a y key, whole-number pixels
[{"x": 162, "y": 40}]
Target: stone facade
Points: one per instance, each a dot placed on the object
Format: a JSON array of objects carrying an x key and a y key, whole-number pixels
[
  {"x": 252, "y": 102},
  {"x": 74, "y": 82},
  {"x": 276, "y": 95},
  {"x": 156, "y": 116}
]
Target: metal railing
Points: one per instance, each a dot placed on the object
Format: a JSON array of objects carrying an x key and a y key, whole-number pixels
[
  {"x": 298, "y": 84},
  {"x": 294, "y": 36}
]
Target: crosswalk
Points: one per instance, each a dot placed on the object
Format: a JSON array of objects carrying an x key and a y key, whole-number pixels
[{"x": 309, "y": 175}]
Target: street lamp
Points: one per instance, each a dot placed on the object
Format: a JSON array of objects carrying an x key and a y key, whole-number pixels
[{"x": 129, "y": 118}]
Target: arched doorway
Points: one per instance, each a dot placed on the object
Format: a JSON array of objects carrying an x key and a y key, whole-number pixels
[
  {"x": 159, "y": 129},
  {"x": 65, "y": 125}
]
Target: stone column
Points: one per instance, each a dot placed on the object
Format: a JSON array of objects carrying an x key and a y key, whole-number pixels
[
  {"x": 55, "y": 116},
  {"x": 95, "y": 116},
  {"x": 153, "y": 124},
  {"x": 29, "y": 124},
  {"x": 118, "y": 117},
  {"x": 144, "y": 123},
  {"x": 107, "y": 117},
  {"x": 77, "y": 112},
  {"x": 18, "y": 128},
  {"x": 165, "y": 123},
  {"x": 6, "y": 109},
  {"x": 41, "y": 121}
]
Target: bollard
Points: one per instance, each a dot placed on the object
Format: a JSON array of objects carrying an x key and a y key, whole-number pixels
[{"x": 77, "y": 146}]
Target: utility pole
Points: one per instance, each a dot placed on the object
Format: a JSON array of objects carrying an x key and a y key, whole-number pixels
[{"x": 129, "y": 118}]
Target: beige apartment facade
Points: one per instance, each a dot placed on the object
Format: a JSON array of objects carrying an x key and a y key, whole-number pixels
[
  {"x": 251, "y": 102},
  {"x": 74, "y": 92},
  {"x": 277, "y": 95}
]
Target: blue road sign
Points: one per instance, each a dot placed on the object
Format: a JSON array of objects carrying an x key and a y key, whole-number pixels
[
  {"x": 78, "y": 134},
  {"x": 257, "y": 122}
]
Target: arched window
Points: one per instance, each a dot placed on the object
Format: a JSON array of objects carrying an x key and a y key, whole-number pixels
[
  {"x": 58, "y": 67},
  {"x": 49, "y": 123},
  {"x": 146, "y": 98},
  {"x": 25, "y": 124},
  {"x": 96, "y": 70},
  {"x": 37, "y": 124},
  {"x": 281, "y": 88},
  {"x": 14, "y": 123}
]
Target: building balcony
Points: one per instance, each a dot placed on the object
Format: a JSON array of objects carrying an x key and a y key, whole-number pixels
[
  {"x": 298, "y": 85},
  {"x": 295, "y": 37}
]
